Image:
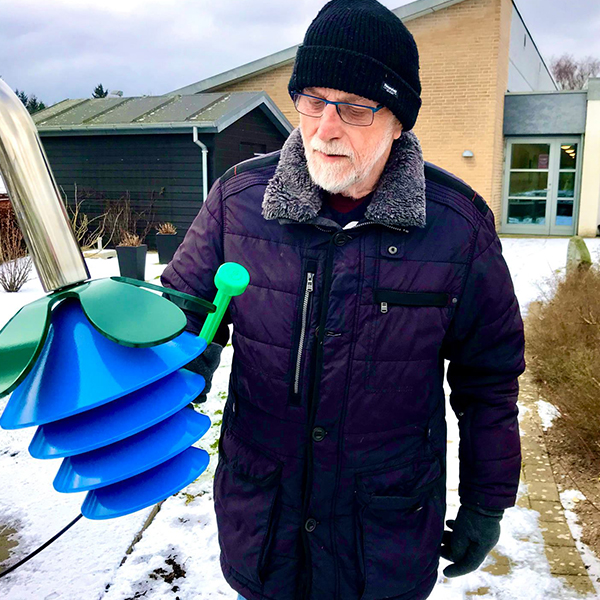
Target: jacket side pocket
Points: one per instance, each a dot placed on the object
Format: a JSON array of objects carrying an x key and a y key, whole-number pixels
[
  {"x": 246, "y": 490},
  {"x": 401, "y": 515}
]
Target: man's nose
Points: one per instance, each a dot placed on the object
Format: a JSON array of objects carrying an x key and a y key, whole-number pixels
[{"x": 330, "y": 124}]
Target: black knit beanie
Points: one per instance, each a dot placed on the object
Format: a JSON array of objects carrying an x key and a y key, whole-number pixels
[{"x": 361, "y": 47}]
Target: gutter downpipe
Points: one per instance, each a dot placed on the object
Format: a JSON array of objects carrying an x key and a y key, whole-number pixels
[{"x": 204, "y": 164}]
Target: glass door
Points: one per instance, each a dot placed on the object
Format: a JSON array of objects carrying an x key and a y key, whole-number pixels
[
  {"x": 541, "y": 186},
  {"x": 564, "y": 188}
]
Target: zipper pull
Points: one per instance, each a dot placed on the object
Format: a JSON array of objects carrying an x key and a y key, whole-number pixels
[
  {"x": 384, "y": 307},
  {"x": 310, "y": 283}
]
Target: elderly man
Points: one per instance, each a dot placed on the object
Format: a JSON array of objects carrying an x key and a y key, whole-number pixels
[{"x": 368, "y": 268}]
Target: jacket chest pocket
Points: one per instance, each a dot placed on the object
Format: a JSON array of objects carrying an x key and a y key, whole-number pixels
[
  {"x": 405, "y": 332},
  {"x": 387, "y": 298},
  {"x": 400, "y": 525}
]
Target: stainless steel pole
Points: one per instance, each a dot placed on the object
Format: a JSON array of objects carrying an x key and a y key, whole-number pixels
[{"x": 32, "y": 190}]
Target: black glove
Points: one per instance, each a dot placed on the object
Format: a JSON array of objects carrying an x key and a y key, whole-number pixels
[
  {"x": 474, "y": 533},
  {"x": 206, "y": 364}
]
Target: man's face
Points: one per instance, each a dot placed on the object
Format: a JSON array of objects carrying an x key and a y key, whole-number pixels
[{"x": 345, "y": 158}]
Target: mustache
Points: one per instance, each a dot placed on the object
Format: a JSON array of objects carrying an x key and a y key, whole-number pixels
[{"x": 331, "y": 148}]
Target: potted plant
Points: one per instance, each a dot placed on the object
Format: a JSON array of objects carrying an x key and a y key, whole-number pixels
[
  {"x": 131, "y": 254},
  {"x": 166, "y": 242}
]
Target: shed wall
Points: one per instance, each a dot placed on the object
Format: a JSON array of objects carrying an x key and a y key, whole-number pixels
[{"x": 163, "y": 169}]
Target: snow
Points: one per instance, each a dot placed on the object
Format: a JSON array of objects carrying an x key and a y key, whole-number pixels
[
  {"x": 569, "y": 499},
  {"x": 86, "y": 561},
  {"x": 547, "y": 412}
]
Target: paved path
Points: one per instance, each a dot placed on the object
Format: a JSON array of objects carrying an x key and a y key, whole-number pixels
[{"x": 542, "y": 496}]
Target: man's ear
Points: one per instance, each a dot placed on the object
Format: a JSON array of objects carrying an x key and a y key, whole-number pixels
[{"x": 397, "y": 129}]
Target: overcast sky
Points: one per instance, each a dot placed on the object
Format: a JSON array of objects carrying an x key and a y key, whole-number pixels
[{"x": 63, "y": 48}]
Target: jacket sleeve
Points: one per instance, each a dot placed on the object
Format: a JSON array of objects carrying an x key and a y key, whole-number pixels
[
  {"x": 197, "y": 259},
  {"x": 485, "y": 346}
]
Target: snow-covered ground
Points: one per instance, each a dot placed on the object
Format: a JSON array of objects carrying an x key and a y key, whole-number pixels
[{"x": 177, "y": 556}]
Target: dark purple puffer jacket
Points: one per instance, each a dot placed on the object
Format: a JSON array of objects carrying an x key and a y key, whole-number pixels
[{"x": 331, "y": 475}]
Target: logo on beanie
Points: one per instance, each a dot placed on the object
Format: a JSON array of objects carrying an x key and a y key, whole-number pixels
[{"x": 390, "y": 90}]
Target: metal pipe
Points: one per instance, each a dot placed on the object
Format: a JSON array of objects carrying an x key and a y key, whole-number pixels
[
  {"x": 32, "y": 190},
  {"x": 204, "y": 164}
]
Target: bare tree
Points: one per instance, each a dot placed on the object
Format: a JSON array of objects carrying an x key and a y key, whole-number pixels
[
  {"x": 571, "y": 73},
  {"x": 87, "y": 230}
]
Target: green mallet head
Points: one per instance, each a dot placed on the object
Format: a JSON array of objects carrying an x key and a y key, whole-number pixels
[{"x": 232, "y": 279}]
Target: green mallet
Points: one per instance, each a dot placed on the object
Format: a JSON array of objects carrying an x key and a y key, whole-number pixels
[{"x": 231, "y": 280}]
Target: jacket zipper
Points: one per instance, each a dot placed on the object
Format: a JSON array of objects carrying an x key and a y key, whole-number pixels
[
  {"x": 313, "y": 396},
  {"x": 310, "y": 286}
]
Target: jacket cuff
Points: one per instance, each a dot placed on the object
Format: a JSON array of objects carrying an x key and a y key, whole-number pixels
[{"x": 488, "y": 512}]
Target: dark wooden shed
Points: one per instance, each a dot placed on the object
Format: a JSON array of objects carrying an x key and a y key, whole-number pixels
[{"x": 150, "y": 148}]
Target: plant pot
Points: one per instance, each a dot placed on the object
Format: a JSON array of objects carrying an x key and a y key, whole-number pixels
[
  {"x": 132, "y": 261},
  {"x": 166, "y": 244}
]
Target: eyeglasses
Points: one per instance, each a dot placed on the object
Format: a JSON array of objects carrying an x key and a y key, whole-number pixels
[{"x": 353, "y": 114}]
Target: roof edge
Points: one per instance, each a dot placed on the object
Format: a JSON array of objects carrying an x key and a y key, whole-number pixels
[
  {"x": 420, "y": 8},
  {"x": 254, "y": 100},
  {"x": 261, "y": 100},
  {"x": 547, "y": 93}
]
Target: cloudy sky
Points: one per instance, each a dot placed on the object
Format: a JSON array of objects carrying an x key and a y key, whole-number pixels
[{"x": 64, "y": 48}]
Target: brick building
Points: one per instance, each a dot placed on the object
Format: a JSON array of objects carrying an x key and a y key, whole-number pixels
[{"x": 473, "y": 53}]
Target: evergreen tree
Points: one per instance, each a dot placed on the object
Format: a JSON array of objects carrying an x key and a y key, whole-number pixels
[
  {"x": 99, "y": 92},
  {"x": 34, "y": 105},
  {"x": 22, "y": 96},
  {"x": 31, "y": 103}
]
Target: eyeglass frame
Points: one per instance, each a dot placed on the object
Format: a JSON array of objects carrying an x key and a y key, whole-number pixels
[{"x": 373, "y": 109}]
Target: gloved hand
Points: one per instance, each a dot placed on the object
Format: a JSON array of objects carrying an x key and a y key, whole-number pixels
[
  {"x": 206, "y": 364},
  {"x": 474, "y": 533}
]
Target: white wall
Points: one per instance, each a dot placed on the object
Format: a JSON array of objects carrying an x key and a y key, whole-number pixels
[
  {"x": 527, "y": 71},
  {"x": 589, "y": 209}
]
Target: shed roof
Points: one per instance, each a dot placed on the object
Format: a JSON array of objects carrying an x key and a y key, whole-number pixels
[
  {"x": 408, "y": 12},
  {"x": 210, "y": 113}
]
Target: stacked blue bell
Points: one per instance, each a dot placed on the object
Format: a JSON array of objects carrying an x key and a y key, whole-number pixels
[{"x": 118, "y": 416}]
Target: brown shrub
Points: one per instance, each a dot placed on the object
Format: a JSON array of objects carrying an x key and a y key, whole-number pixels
[
  {"x": 563, "y": 354},
  {"x": 15, "y": 264}
]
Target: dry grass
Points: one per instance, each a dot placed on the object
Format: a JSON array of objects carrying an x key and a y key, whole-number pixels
[
  {"x": 563, "y": 355},
  {"x": 130, "y": 239},
  {"x": 166, "y": 229},
  {"x": 15, "y": 264}
]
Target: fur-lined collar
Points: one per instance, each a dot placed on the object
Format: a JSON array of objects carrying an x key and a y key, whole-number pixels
[{"x": 398, "y": 200}]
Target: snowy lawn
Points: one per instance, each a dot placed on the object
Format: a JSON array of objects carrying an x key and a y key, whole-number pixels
[{"x": 177, "y": 556}]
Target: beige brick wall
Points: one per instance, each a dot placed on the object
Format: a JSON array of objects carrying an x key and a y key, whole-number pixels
[
  {"x": 275, "y": 83},
  {"x": 464, "y": 72}
]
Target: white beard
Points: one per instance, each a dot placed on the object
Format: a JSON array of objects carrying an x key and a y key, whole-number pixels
[{"x": 340, "y": 175}]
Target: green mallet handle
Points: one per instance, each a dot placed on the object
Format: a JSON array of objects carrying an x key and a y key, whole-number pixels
[{"x": 231, "y": 280}]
